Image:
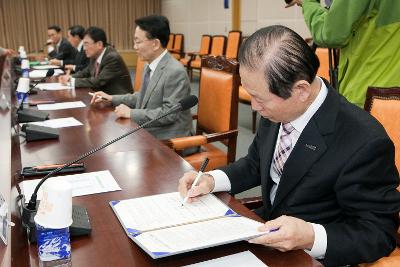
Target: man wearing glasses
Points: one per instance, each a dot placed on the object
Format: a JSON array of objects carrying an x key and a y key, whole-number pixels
[
  {"x": 164, "y": 83},
  {"x": 106, "y": 71}
]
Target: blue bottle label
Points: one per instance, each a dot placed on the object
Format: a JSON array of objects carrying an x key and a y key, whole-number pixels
[{"x": 53, "y": 244}]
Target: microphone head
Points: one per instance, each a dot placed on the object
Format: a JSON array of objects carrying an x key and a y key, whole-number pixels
[
  {"x": 50, "y": 73},
  {"x": 188, "y": 102}
]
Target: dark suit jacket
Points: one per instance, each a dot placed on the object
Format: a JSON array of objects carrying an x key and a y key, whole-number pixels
[
  {"x": 65, "y": 52},
  {"x": 168, "y": 85},
  {"x": 80, "y": 61},
  {"x": 341, "y": 173},
  {"x": 113, "y": 77}
]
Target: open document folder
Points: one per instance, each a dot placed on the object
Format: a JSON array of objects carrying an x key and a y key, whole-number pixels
[{"x": 162, "y": 227}]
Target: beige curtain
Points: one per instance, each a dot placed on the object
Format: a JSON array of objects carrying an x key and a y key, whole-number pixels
[{"x": 25, "y": 22}]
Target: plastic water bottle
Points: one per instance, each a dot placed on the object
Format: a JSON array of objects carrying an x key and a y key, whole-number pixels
[
  {"x": 25, "y": 67},
  {"x": 52, "y": 220}
]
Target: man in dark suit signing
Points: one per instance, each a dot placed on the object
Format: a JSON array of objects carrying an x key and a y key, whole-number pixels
[
  {"x": 81, "y": 61},
  {"x": 106, "y": 71},
  {"x": 57, "y": 46},
  {"x": 326, "y": 167},
  {"x": 164, "y": 83}
]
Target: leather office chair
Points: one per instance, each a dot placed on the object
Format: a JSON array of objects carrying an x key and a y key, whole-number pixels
[
  {"x": 323, "y": 56},
  {"x": 217, "y": 117},
  {"x": 138, "y": 74},
  {"x": 170, "y": 44},
  {"x": 205, "y": 45},
  {"x": 245, "y": 98},
  {"x": 384, "y": 105},
  {"x": 233, "y": 44},
  {"x": 177, "y": 50},
  {"x": 218, "y": 45}
]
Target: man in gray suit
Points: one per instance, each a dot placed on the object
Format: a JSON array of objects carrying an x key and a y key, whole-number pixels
[
  {"x": 106, "y": 71},
  {"x": 164, "y": 83}
]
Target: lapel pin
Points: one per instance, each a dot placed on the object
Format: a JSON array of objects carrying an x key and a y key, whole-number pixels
[{"x": 313, "y": 148}]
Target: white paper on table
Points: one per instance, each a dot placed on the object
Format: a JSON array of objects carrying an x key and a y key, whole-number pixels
[
  {"x": 196, "y": 236},
  {"x": 57, "y": 123},
  {"x": 164, "y": 210},
  {"x": 53, "y": 86},
  {"x": 63, "y": 105},
  {"x": 242, "y": 259},
  {"x": 46, "y": 67},
  {"x": 82, "y": 184},
  {"x": 35, "y": 74}
]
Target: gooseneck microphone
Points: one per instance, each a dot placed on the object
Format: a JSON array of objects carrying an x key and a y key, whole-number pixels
[
  {"x": 29, "y": 115},
  {"x": 31, "y": 208}
]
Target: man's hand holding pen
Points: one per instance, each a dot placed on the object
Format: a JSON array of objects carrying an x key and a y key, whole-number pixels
[{"x": 190, "y": 189}]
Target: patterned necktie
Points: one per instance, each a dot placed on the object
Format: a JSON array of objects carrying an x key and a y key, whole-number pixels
[
  {"x": 284, "y": 148},
  {"x": 97, "y": 69},
  {"x": 145, "y": 82}
]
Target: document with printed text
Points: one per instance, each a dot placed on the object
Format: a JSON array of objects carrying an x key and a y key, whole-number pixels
[
  {"x": 53, "y": 86},
  {"x": 161, "y": 226},
  {"x": 82, "y": 184}
]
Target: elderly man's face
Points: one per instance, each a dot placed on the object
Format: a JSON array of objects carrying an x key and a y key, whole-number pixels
[
  {"x": 54, "y": 35},
  {"x": 267, "y": 104}
]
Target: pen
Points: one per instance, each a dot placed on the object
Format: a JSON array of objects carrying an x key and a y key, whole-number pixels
[
  {"x": 55, "y": 166},
  {"x": 98, "y": 96},
  {"x": 196, "y": 180}
]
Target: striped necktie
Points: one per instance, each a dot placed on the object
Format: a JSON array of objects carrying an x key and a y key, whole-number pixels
[{"x": 284, "y": 148}]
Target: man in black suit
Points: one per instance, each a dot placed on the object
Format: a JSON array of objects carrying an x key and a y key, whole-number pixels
[
  {"x": 106, "y": 71},
  {"x": 57, "y": 46},
  {"x": 326, "y": 168},
  {"x": 81, "y": 61}
]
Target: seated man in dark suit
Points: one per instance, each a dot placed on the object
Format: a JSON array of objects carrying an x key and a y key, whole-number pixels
[
  {"x": 326, "y": 167},
  {"x": 164, "y": 83},
  {"x": 81, "y": 61},
  {"x": 57, "y": 46},
  {"x": 106, "y": 71}
]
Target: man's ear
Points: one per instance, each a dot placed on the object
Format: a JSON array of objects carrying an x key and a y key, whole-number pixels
[{"x": 302, "y": 90}]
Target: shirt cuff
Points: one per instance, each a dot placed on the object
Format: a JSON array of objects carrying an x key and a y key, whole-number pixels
[
  {"x": 50, "y": 49},
  {"x": 221, "y": 181},
  {"x": 318, "y": 249},
  {"x": 72, "y": 82},
  {"x": 61, "y": 62},
  {"x": 74, "y": 67}
]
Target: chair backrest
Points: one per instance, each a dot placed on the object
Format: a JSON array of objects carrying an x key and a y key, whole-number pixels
[
  {"x": 205, "y": 44},
  {"x": 178, "y": 43},
  {"x": 170, "y": 44},
  {"x": 218, "y": 98},
  {"x": 323, "y": 56},
  {"x": 218, "y": 45},
  {"x": 384, "y": 105},
  {"x": 138, "y": 74},
  {"x": 234, "y": 41}
]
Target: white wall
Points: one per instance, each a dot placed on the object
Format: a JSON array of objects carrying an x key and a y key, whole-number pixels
[{"x": 196, "y": 17}]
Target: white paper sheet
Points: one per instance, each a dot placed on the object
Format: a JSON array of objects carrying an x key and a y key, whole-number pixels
[
  {"x": 46, "y": 67},
  {"x": 35, "y": 74},
  {"x": 166, "y": 209},
  {"x": 63, "y": 105},
  {"x": 199, "y": 235},
  {"x": 53, "y": 86},
  {"x": 242, "y": 259},
  {"x": 57, "y": 123},
  {"x": 82, "y": 184}
]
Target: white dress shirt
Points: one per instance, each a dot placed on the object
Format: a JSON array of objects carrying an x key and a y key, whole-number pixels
[
  {"x": 222, "y": 182},
  {"x": 153, "y": 65}
]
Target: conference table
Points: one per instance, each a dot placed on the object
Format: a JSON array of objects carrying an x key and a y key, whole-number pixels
[{"x": 141, "y": 165}]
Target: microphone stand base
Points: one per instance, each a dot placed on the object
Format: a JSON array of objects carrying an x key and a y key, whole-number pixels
[{"x": 29, "y": 115}]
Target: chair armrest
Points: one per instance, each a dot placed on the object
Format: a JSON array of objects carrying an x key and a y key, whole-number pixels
[
  {"x": 181, "y": 143},
  {"x": 192, "y": 53},
  {"x": 252, "y": 203}
]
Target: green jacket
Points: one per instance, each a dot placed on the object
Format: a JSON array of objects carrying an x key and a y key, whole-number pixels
[{"x": 368, "y": 35}]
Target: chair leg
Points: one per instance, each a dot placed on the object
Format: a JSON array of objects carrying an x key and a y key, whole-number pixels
[{"x": 254, "y": 121}]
